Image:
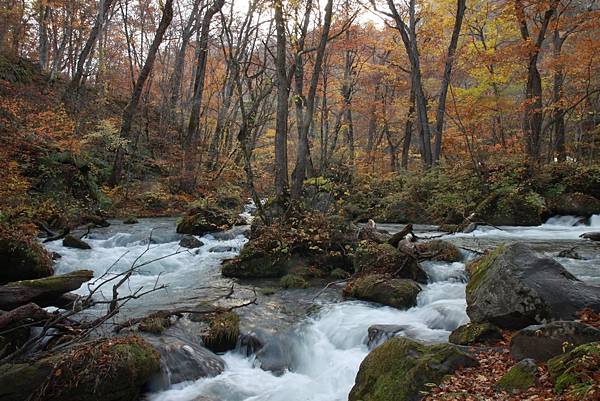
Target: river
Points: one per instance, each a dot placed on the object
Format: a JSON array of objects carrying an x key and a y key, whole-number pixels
[{"x": 325, "y": 347}]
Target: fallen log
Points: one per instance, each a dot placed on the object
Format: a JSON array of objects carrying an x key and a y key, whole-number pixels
[
  {"x": 29, "y": 311},
  {"x": 399, "y": 236},
  {"x": 46, "y": 291}
]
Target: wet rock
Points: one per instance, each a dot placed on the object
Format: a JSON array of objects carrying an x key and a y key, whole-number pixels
[
  {"x": 398, "y": 293},
  {"x": 575, "y": 204},
  {"x": 470, "y": 228},
  {"x": 249, "y": 344},
  {"x": 384, "y": 258},
  {"x": 56, "y": 255},
  {"x": 71, "y": 241},
  {"x": 439, "y": 250},
  {"x": 594, "y": 236},
  {"x": 130, "y": 220},
  {"x": 97, "y": 221},
  {"x": 473, "y": 333},
  {"x": 520, "y": 377},
  {"x": 114, "y": 369},
  {"x": 222, "y": 248},
  {"x": 512, "y": 287},
  {"x": 23, "y": 260},
  {"x": 275, "y": 355},
  {"x": 542, "y": 342},
  {"x": 570, "y": 254},
  {"x": 400, "y": 369},
  {"x": 379, "y": 333},
  {"x": 190, "y": 242},
  {"x": 206, "y": 218},
  {"x": 575, "y": 368},
  {"x": 154, "y": 325},
  {"x": 183, "y": 360}
]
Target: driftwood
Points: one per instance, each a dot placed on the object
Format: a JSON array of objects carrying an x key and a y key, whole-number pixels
[
  {"x": 28, "y": 311},
  {"x": 399, "y": 236},
  {"x": 46, "y": 291}
]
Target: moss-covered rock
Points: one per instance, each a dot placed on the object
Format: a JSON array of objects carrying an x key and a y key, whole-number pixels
[
  {"x": 439, "y": 250},
  {"x": 384, "y": 258},
  {"x": 400, "y": 369},
  {"x": 223, "y": 331},
  {"x": 513, "y": 287},
  {"x": 112, "y": 369},
  {"x": 130, "y": 220},
  {"x": 473, "y": 333},
  {"x": 519, "y": 378},
  {"x": 22, "y": 259},
  {"x": 205, "y": 219},
  {"x": 576, "y": 204},
  {"x": 154, "y": 324},
  {"x": 70, "y": 241},
  {"x": 293, "y": 281},
  {"x": 576, "y": 371},
  {"x": 399, "y": 293},
  {"x": 512, "y": 208}
]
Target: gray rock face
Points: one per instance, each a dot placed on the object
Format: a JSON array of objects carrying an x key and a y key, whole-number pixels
[
  {"x": 73, "y": 242},
  {"x": 512, "y": 287},
  {"x": 594, "y": 236},
  {"x": 182, "y": 361},
  {"x": 190, "y": 242},
  {"x": 542, "y": 342},
  {"x": 379, "y": 333}
]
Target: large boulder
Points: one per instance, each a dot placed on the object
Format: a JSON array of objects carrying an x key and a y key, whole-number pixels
[
  {"x": 577, "y": 368},
  {"x": 512, "y": 287},
  {"x": 110, "y": 369},
  {"x": 190, "y": 242},
  {"x": 576, "y": 204},
  {"x": 23, "y": 259},
  {"x": 70, "y": 241},
  {"x": 542, "y": 342},
  {"x": 384, "y": 258},
  {"x": 439, "y": 250},
  {"x": 512, "y": 208},
  {"x": 205, "y": 220},
  {"x": 400, "y": 370},
  {"x": 398, "y": 293}
]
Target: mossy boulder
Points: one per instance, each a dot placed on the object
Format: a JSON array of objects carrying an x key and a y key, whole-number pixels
[
  {"x": 23, "y": 259},
  {"x": 577, "y": 371},
  {"x": 206, "y": 219},
  {"x": 520, "y": 377},
  {"x": 398, "y": 293},
  {"x": 512, "y": 208},
  {"x": 513, "y": 287},
  {"x": 114, "y": 369},
  {"x": 154, "y": 324},
  {"x": 190, "y": 242},
  {"x": 400, "y": 370},
  {"x": 223, "y": 331},
  {"x": 70, "y": 241},
  {"x": 576, "y": 204},
  {"x": 293, "y": 281},
  {"x": 384, "y": 258},
  {"x": 130, "y": 220},
  {"x": 439, "y": 250},
  {"x": 474, "y": 333}
]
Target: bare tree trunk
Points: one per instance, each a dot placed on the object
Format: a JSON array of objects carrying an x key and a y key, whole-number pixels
[
  {"x": 45, "y": 11},
  {"x": 104, "y": 7},
  {"x": 558, "y": 113},
  {"x": 408, "y": 128},
  {"x": 190, "y": 147},
  {"x": 131, "y": 107},
  {"x": 441, "y": 109},
  {"x": 283, "y": 92},
  {"x": 299, "y": 173}
]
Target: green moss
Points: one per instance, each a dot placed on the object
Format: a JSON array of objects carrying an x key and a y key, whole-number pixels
[
  {"x": 268, "y": 291},
  {"x": 575, "y": 368},
  {"x": 223, "y": 332},
  {"x": 519, "y": 378},
  {"x": 154, "y": 325},
  {"x": 472, "y": 333},
  {"x": 400, "y": 369},
  {"x": 57, "y": 283},
  {"x": 23, "y": 260},
  {"x": 477, "y": 268},
  {"x": 399, "y": 293},
  {"x": 441, "y": 250},
  {"x": 339, "y": 274},
  {"x": 293, "y": 281}
]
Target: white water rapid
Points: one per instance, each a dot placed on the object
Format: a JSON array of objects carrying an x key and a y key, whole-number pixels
[{"x": 327, "y": 348}]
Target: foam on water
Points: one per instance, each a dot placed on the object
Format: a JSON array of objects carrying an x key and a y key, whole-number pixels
[
  {"x": 556, "y": 228},
  {"x": 330, "y": 347}
]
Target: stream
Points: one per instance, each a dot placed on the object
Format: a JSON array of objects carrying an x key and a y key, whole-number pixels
[{"x": 327, "y": 343}]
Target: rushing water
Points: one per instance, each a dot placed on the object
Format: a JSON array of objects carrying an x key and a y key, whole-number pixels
[{"x": 327, "y": 348}]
